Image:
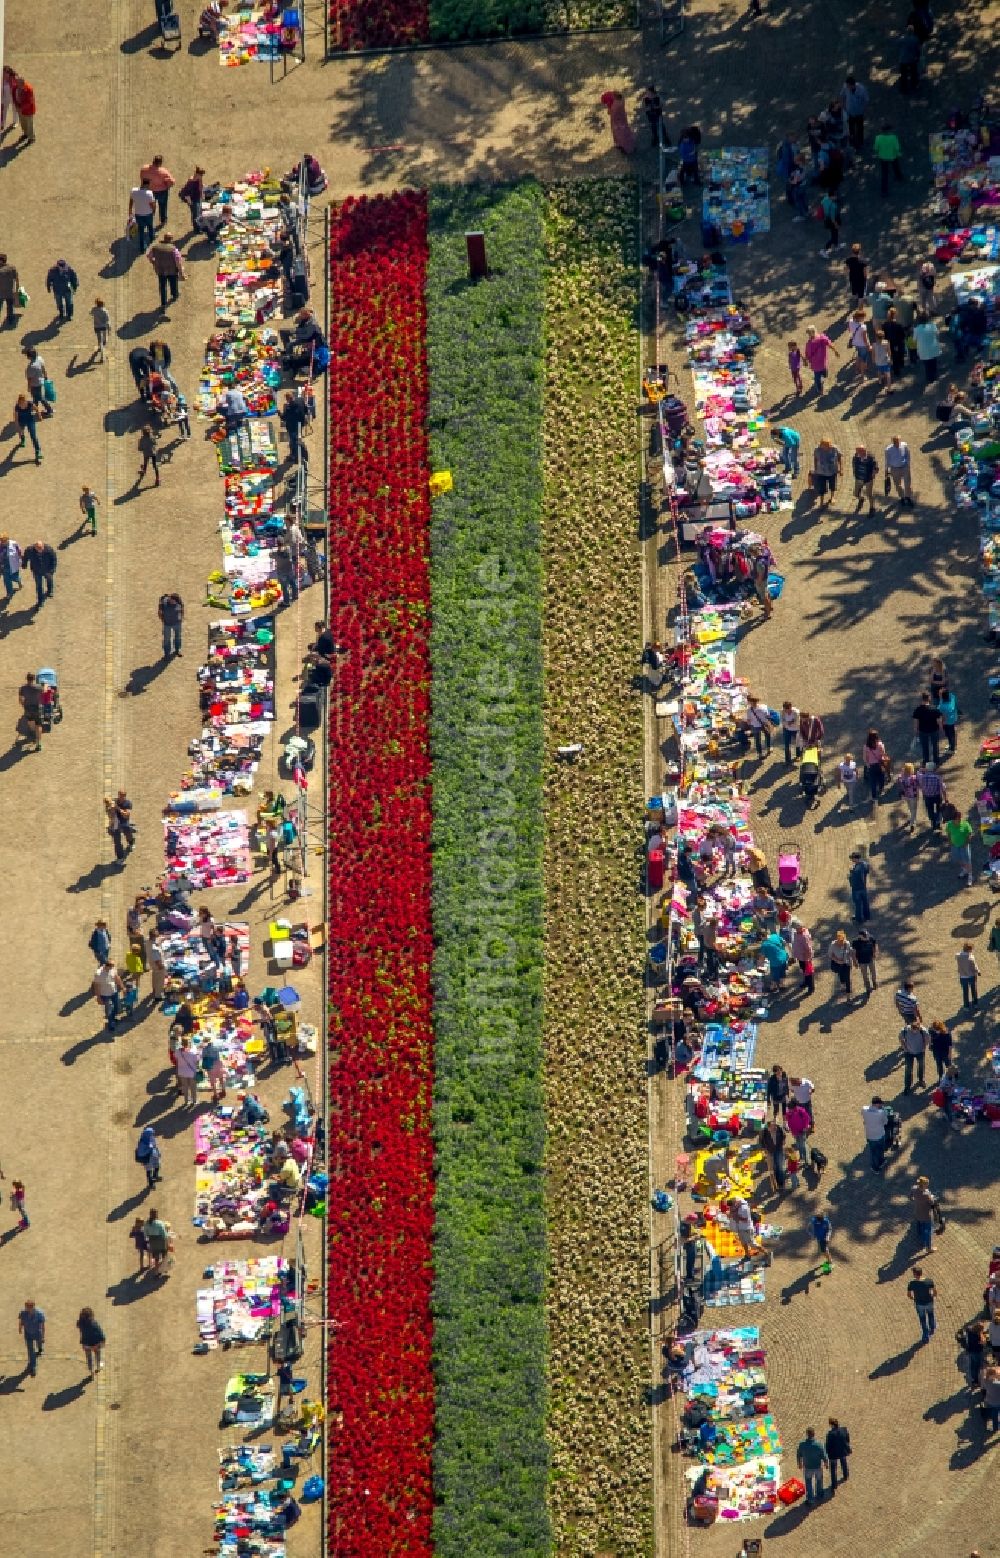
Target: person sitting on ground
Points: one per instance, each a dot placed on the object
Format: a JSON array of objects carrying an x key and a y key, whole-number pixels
[{"x": 210, "y": 20}]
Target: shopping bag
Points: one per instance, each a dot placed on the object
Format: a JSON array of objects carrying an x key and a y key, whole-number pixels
[
  {"x": 48, "y": 391},
  {"x": 22, "y": 298}
]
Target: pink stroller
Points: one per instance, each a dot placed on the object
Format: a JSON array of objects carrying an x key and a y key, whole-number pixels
[{"x": 791, "y": 883}]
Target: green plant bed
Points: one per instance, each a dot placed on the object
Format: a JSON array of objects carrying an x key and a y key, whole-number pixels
[
  {"x": 456, "y": 19},
  {"x": 485, "y": 354},
  {"x": 594, "y": 1040}
]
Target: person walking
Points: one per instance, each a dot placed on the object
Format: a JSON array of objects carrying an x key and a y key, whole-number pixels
[
  {"x": 857, "y": 334},
  {"x": 847, "y": 774},
  {"x": 18, "y": 1204},
  {"x": 888, "y": 156},
  {"x": 821, "y": 1229},
  {"x": 909, "y": 789},
  {"x": 24, "y": 106},
  {"x": 913, "y": 1041},
  {"x": 865, "y": 950},
  {"x": 842, "y": 960},
  {"x": 790, "y": 716},
  {"x": 157, "y": 966},
  {"x": 193, "y": 194},
  {"x": 923, "y": 1293},
  {"x": 991, "y": 1396},
  {"x": 804, "y": 955},
  {"x": 294, "y": 415},
  {"x": 909, "y": 60},
  {"x": 92, "y": 1341},
  {"x": 10, "y": 566},
  {"x": 864, "y": 468},
  {"x": 759, "y": 722},
  {"x": 147, "y": 446},
  {"x": 927, "y": 726},
  {"x": 925, "y": 1213},
  {"x": 102, "y": 327},
  {"x": 171, "y": 614},
  {"x": 802, "y": 1090},
  {"x": 27, "y": 426},
  {"x": 36, "y": 378},
  {"x": 160, "y": 181},
  {"x": 811, "y": 1457},
  {"x": 959, "y": 830},
  {"x": 940, "y": 1042},
  {"x": 895, "y": 334},
  {"x": 828, "y": 465},
  {"x": 29, "y": 696},
  {"x": 838, "y": 1448},
  {"x": 925, "y": 333},
  {"x": 157, "y": 1239},
  {"x": 974, "y": 1339},
  {"x": 137, "y": 1233},
  {"x": 897, "y": 469},
  {"x": 789, "y": 441},
  {"x": 142, "y": 207},
  {"x": 31, "y": 1325},
  {"x": 168, "y": 264},
  {"x": 799, "y": 1124},
  {"x": 854, "y": 99},
  {"x": 147, "y": 1153},
  {"x": 795, "y": 356},
  {"x": 948, "y": 709},
  {"x": 10, "y": 286},
  {"x": 932, "y": 788},
  {"x": 652, "y": 107},
  {"x": 62, "y": 281},
  {"x": 817, "y": 354},
  {"x": 42, "y": 562},
  {"x": 187, "y": 1065},
  {"x": 830, "y": 207},
  {"x": 89, "y": 504},
  {"x": 777, "y": 1091},
  {"x": 906, "y": 1002},
  {"x": 874, "y": 1119},
  {"x": 968, "y": 975},
  {"x": 857, "y": 877},
  {"x": 857, "y": 273},
  {"x": 772, "y": 1145},
  {"x": 211, "y": 1061},
  {"x": 811, "y": 732},
  {"x": 107, "y": 988},
  {"x": 100, "y": 942}
]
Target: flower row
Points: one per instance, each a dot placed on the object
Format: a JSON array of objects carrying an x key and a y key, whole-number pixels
[
  {"x": 388, "y": 24},
  {"x": 595, "y": 1047},
  {"x": 486, "y": 370},
  {"x": 381, "y": 1050}
]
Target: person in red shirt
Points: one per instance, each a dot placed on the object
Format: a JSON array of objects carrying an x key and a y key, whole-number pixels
[{"x": 24, "y": 103}]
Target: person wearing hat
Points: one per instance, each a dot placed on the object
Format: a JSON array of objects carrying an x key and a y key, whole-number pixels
[{"x": 62, "y": 281}]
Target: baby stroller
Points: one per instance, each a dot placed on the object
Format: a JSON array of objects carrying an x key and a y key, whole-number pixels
[
  {"x": 811, "y": 776},
  {"x": 50, "y": 708},
  {"x": 893, "y": 1131},
  {"x": 791, "y": 883},
  {"x": 168, "y": 22}
]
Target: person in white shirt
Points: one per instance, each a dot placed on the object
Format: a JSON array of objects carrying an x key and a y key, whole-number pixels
[
  {"x": 897, "y": 468},
  {"x": 874, "y": 1118},
  {"x": 801, "y": 1089},
  {"x": 142, "y": 205},
  {"x": 789, "y": 730}
]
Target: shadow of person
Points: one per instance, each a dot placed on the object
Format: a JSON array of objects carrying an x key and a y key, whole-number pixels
[
  {"x": 70, "y": 1056},
  {"x": 897, "y": 1362},
  {"x": 63, "y": 1398},
  {"x": 143, "y": 676}
]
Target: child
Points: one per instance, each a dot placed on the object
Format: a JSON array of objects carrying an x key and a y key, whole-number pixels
[
  {"x": 793, "y": 1164},
  {"x": 102, "y": 326},
  {"x": 137, "y": 1234},
  {"x": 17, "y": 1203},
  {"x": 130, "y": 994},
  {"x": 847, "y": 773},
  {"x": 89, "y": 505},
  {"x": 795, "y": 365},
  {"x": 821, "y": 1228},
  {"x": 882, "y": 358}
]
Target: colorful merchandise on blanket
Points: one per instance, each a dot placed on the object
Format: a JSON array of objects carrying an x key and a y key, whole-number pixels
[
  {"x": 743, "y": 1492},
  {"x": 236, "y": 682},
  {"x": 379, "y": 1482},
  {"x": 724, "y": 1385},
  {"x": 209, "y": 849},
  {"x": 242, "y": 1302},
  {"x": 244, "y": 358},
  {"x": 965, "y": 163},
  {"x": 232, "y": 1200},
  {"x": 261, "y": 30},
  {"x": 247, "y": 1523},
  {"x": 736, "y": 200}
]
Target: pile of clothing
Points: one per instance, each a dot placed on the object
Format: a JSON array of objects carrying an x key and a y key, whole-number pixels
[
  {"x": 244, "y": 1299},
  {"x": 737, "y": 201},
  {"x": 208, "y": 849}
]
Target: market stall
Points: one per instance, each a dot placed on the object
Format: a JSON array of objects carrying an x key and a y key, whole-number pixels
[
  {"x": 736, "y": 203},
  {"x": 243, "y": 1301},
  {"x": 207, "y": 849}
]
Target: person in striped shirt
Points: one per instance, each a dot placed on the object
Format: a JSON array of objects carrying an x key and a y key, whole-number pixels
[{"x": 907, "y": 1004}]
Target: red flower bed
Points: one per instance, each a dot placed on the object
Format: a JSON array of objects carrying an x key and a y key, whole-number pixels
[
  {"x": 377, "y": 24},
  {"x": 381, "y": 1063}
]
